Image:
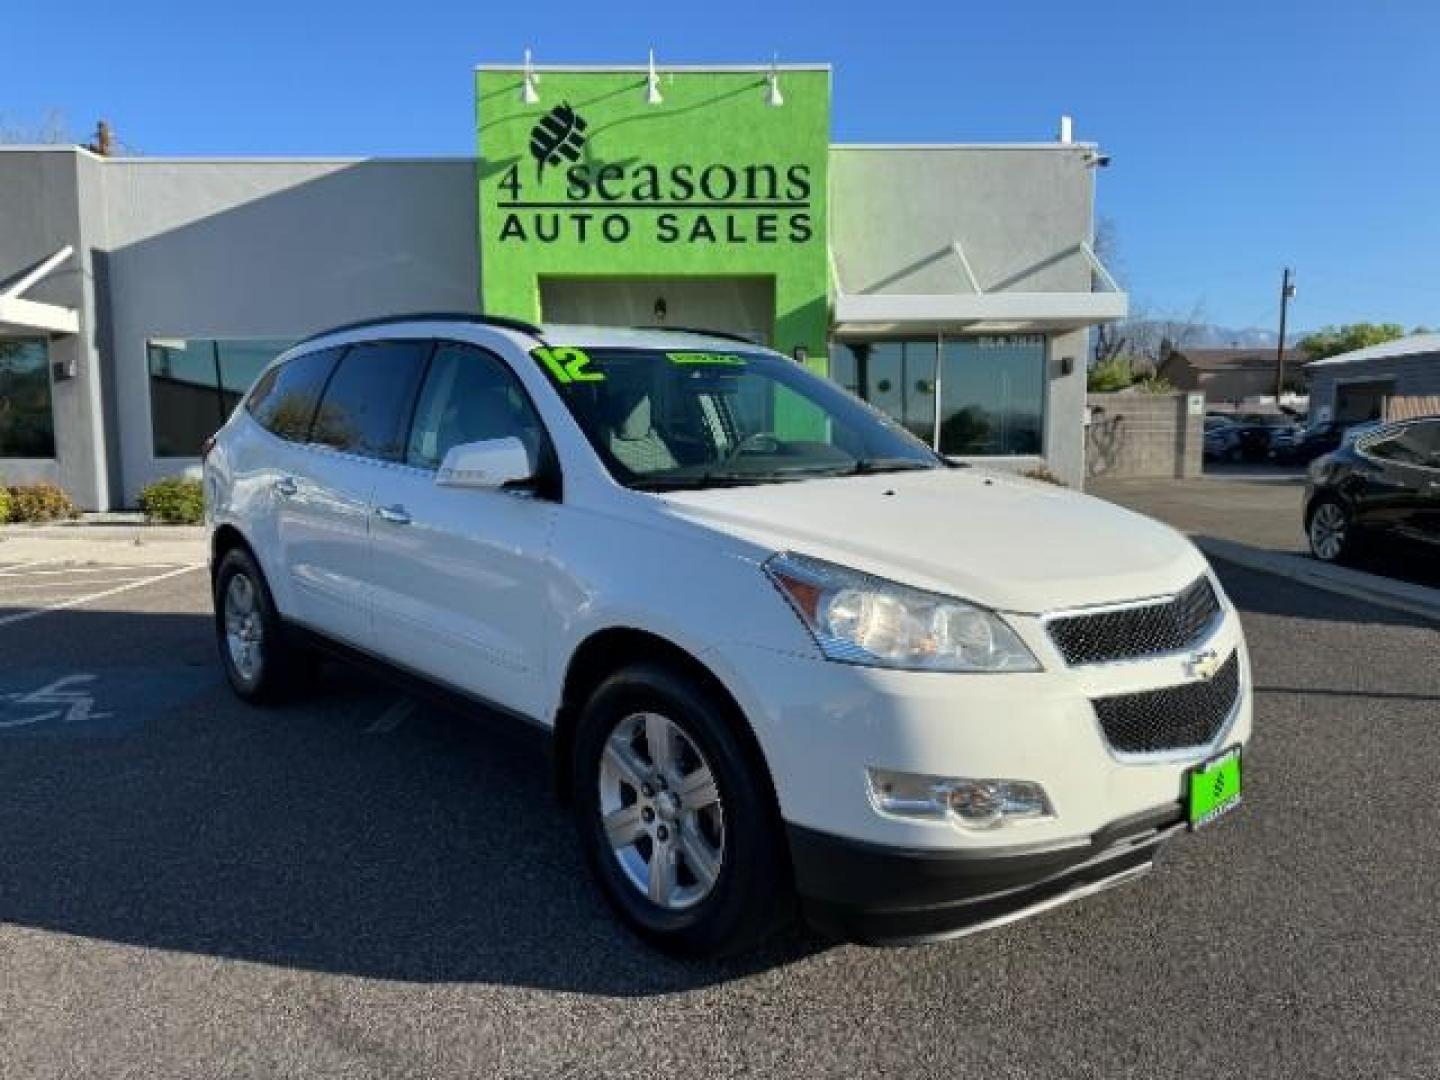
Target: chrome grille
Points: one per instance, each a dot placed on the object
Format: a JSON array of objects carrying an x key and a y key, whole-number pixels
[
  {"x": 1131, "y": 633},
  {"x": 1172, "y": 718}
]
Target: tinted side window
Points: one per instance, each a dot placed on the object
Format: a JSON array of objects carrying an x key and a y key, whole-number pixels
[
  {"x": 470, "y": 395},
  {"x": 1409, "y": 445},
  {"x": 367, "y": 404},
  {"x": 285, "y": 399}
]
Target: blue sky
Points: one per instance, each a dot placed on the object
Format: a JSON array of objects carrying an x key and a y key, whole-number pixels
[{"x": 1244, "y": 135}]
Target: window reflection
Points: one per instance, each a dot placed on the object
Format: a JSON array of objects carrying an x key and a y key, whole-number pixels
[
  {"x": 27, "y": 426},
  {"x": 195, "y": 383},
  {"x": 992, "y": 389}
]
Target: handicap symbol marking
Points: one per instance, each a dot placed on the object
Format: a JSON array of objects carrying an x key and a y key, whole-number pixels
[
  {"x": 43, "y": 702},
  {"x": 73, "y": 705}
]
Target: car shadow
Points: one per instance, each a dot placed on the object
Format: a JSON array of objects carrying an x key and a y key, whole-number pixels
[{"x": 348, "y": 832}]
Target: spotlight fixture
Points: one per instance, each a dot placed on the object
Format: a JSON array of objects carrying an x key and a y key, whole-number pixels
[
  {"x": 529, "y": 83},
  {"x": 652, "y": 84},
  {"x": 773, "y": 97},
  {"x": 661, "y": 309}
]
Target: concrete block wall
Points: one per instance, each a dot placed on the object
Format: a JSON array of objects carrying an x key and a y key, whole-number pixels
[{"x": 1133, "y": 435}]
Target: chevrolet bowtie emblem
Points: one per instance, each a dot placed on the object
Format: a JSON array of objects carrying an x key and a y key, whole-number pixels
[{"x": 1203, "y": 665}]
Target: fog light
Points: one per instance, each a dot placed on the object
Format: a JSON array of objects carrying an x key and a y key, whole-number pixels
[{"x": 973, "y": 803}]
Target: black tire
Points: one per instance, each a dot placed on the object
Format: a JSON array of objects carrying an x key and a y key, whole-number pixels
[
  {"x": 752, "y": 895},
  {"x": 1326, "y": 543},
  {"x": 281, "y": 663}
]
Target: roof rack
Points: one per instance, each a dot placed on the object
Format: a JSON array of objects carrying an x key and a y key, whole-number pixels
[
  {"x": 725, "y": 335},
  {"x": 432, "y": 316}
]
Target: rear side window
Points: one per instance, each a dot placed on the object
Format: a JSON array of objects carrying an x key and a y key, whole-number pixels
[
  {"x": 285, "y": 398},
  {"x": 1413, "y": 444},
  {"x": 366, "y": 407},
  {"x": 470, "y": 395}
]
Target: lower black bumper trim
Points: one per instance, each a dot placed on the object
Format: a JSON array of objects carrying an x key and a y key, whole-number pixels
[{"x": 879, "y": 895}]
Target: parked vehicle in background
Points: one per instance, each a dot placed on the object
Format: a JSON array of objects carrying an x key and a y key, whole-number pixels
[
  {"x": 789, "y": 657},
  {"x": 1311, "y": 442},
  {"x": 1258, "y": 432},
  {"x": 1222, "y": 439},
  {"x": 1384, "y": 482}
]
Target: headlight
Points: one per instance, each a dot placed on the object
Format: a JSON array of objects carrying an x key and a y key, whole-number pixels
[{"x": 860, "y": 619}]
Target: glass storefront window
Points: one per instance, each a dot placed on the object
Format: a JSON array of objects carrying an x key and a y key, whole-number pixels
[
  {"x": 27, "y": 426},
  {"x": 992, "y": 395},
  {"x": 992, "y": 389},
  {"x": 195, "y": 384},
  {"x": 896, "y": 376}
]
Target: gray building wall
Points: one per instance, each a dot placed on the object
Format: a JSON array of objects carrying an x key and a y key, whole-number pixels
[
  {"x": 216, "y": 249},
  {"x": 1019, "y": 213},
  {"x": 44, "y": 205},
  {"x": 1145, "y": 435},
  {"x": 1416, "y": 375}
]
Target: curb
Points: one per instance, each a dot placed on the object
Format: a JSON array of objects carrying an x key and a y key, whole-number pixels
[{"x": 1383, "y": 592}]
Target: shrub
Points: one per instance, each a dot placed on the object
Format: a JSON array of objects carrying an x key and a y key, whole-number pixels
[
  {"x": 176, "y": 500},
  {"x": 4, "y": 504},
  {"x": 1109, "y": 376},
  {"x": 40, "y": 502}
]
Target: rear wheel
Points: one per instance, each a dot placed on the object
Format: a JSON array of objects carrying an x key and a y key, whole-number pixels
[
  {"x": 260, "y": 661},
  {"x": 1331, "y": 532},
  {"x": 680, "y": 831}
]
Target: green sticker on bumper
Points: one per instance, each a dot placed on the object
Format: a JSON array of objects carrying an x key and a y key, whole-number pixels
[{"x": 1214, "y": 788}]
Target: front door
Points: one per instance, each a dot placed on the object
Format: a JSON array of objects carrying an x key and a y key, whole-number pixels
[{"x": 460, "y": 575}]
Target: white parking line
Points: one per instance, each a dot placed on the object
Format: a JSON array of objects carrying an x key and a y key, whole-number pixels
[
  {"x": 76, "y": 601},
  {"x": 103, "y": 568},
  {"x": 399, "y": 711},
  {"x": 88, "y": 583}
]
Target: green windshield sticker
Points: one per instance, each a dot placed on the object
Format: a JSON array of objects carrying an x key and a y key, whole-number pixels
[
  {"x": 567, "y": 364},
  {"x": 705, "y": 358}
]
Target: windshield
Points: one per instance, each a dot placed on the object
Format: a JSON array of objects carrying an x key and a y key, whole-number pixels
[{"x": 666, "y": 420}]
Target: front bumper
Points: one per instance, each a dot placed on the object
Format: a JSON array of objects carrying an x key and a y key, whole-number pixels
[{"x": 890, "y": 896}]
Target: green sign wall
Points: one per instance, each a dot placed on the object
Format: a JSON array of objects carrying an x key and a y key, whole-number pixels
[{"x": 594, "y": 181}]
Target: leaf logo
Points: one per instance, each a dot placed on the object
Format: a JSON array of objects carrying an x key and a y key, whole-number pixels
[{"x": 559, "y": 136}]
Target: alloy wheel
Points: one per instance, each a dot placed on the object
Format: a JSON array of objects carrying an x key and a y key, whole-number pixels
[
  {"x": 1327, "y": 531},
  {"x": 244, "y": 628},
  {"x": 661, "y": 811}
]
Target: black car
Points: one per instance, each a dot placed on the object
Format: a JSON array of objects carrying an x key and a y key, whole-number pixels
[
  {"x": 1385, "y": 482},
  {"x": 1256, "y": 433}
]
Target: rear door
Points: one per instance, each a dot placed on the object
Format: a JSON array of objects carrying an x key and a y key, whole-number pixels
[
  {"x": 462, "y": 577},
  {"x": 1394, "y": 490},
  {"x": 324, "y": 529}
]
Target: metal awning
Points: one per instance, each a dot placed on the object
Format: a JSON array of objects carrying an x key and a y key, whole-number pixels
[
  {"x": 976, "y": 311},
  {"x": 24, "y": 318}
]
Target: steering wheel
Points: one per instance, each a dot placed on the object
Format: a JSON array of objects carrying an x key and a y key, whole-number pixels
[{"x": 762, "y": 442}]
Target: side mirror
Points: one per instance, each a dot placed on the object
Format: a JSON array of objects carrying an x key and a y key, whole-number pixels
[{"x": 492, "y": 464}]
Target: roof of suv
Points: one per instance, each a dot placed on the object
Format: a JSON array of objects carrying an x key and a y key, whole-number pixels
[{"x": 559, "y": 333}]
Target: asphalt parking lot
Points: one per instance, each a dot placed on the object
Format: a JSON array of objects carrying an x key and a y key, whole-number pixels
[{"x": 358, "y": 885}]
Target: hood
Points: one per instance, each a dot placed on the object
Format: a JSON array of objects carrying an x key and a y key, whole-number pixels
[{"x": 1010, "y": 544}]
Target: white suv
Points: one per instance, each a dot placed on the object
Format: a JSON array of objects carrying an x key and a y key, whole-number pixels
[{"x": 789, "y": 658}]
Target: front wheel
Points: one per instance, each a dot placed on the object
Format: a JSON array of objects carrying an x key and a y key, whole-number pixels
[
  {"x": 678, "y": 825},
  {"x": 1331, "y": 532}
]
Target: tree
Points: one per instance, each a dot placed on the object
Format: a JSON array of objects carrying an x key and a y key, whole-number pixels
[
  {"x": 51, "y": 130},
  {"x": 1333, "y": 340}
]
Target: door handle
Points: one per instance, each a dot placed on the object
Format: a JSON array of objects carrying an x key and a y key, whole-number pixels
[
  {"x": 395, "y": 515},
  {"x": 286, "y": 486}
]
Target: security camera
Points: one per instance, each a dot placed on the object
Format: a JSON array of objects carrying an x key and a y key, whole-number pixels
[{"x": 1097, "y": 161}]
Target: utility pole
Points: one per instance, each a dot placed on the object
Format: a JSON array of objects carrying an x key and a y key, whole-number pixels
[{"x": 1287, "y": 293}]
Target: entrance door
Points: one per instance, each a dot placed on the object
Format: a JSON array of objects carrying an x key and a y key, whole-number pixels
[{"x": 733, "y": 305}]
